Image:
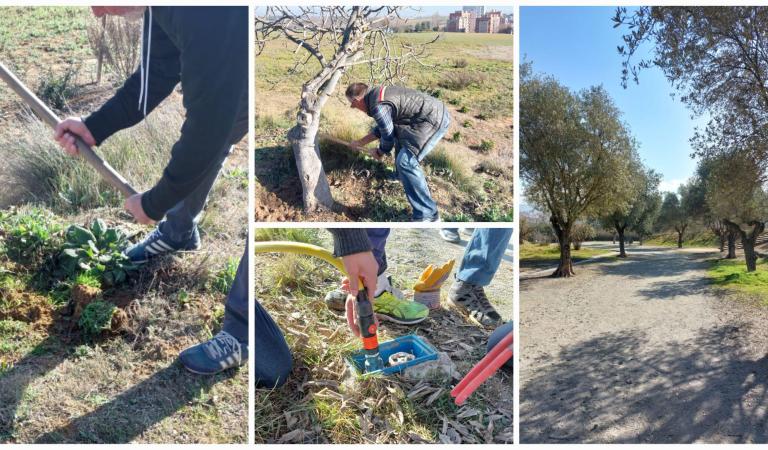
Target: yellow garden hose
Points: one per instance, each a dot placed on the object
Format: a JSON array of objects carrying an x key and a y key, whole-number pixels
[{"x": 301, "y": 249}]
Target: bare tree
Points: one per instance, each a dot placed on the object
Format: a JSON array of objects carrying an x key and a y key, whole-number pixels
[{"x": 330, "y": 40}]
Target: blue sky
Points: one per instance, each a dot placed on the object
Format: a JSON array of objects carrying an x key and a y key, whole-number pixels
[{"x": 577, "y": 45}]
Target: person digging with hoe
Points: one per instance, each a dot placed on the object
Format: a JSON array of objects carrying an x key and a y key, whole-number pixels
[
  {"x": 413, "y": 123},
  {"x": 206, "y": 50}
]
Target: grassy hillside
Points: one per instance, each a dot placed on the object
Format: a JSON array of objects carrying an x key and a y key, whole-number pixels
[{"x": 470, "y": 173}]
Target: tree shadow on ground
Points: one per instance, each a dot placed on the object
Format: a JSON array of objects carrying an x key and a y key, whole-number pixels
[
  {"x": 43, "y": 358},
  {"x": 668, "y": 263},
  {"x": 627, "y": 388}
]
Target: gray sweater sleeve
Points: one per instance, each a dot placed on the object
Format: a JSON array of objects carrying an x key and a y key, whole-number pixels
[{"x": 348, "y": 241}]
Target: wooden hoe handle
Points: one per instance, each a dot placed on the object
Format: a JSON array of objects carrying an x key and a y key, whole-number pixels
[{"x": 107, "y": 172}]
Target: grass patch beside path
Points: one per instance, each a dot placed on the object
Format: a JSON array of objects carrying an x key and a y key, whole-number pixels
[
  {"x": 551, "y": 252},
  {"x": 732, "y": 274},
  {"x": 701, "y": 239}
]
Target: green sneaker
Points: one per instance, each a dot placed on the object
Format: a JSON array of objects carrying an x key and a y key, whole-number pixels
[{"x": 386, "y": 306}]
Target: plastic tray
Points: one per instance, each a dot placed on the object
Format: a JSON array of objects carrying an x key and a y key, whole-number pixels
[{"x": 420, "y": 348}]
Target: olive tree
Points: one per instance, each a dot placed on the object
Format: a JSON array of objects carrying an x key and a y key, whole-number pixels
[
  {"x": 674, "y": 215},
  {"x": 741, "y": 201},
  {"x": 639, "y": 211},
  {"x": 574, "y": 154},
  {"x": 716, "y": 57},
  {"x": 330, "y": 41}
]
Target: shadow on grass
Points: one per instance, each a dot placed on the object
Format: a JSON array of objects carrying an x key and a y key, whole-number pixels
[
  {"x": 626, "y": 388},
  {"x": 128, "y": 415},
  {"x": 122, "y": 419}
]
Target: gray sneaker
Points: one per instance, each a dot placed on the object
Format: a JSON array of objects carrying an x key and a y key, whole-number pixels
[
  {"x": 471, "y": 298},
  {"x": 220, "y": 353},
  {"x": 450, "y": 235}
]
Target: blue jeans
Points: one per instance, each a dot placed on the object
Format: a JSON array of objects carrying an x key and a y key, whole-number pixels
[
  {"x": 236, "y": 307},
  {"x": 271, "y": 353},
  {"x": 413, "y": 179},
  {"x": 483, "y": 255}
]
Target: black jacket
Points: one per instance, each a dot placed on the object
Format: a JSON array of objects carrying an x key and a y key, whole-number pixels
[{"x": 206, "y": 50}]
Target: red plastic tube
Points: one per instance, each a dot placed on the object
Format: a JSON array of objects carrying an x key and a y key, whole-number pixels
[{"x": 483, "y": 370}]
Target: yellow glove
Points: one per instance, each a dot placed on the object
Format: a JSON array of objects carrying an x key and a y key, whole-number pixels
[
  {"x": 432, "y": 278},
  {"x": 427, "y": 290}
]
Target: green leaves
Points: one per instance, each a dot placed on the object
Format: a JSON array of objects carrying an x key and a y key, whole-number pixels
[
  {"x": 97, "y": 250},
  {"x": 96, "y": 317}
]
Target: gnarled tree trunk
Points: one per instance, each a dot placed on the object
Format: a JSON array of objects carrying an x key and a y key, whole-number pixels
[
  {"x": 748, "y": 241},
  {"x": 316, "y": 192},
  {"x": 563, "y": 233}
]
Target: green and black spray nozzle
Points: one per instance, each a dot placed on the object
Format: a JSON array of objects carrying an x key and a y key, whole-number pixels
[{"x": 366, "y": 320}]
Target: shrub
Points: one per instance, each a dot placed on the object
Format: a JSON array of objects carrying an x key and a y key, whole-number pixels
[
  {"x": 96, "y": 317},
  {"x": 467, "y": 124},
  {"x": 117, "y": 41},
  {"x": 463, "y": 109},
  {"x": 96, "y": 250},
  {"x": 55, "y": 89},
  {"x": 486, "y": 146},
  {"x": 456, "y": 136},
  {"x": 483, "y": 116},
  {"x": 460, "y": 80},
  {"x": 454, "y": 101},
  {"x": 460, "y": 63}
]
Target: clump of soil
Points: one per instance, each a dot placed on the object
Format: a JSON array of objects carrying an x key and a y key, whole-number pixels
[
  {"x": 29, "y": 308},
  {"x": 81, "y": 296}
]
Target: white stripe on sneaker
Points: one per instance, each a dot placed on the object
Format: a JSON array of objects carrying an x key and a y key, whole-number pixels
[
  {"x": 154, "y": 250},
  {"x": 163, "y": 245},
  {"x": 150, "y": 250},
  {"x": 157, "y": 248}
]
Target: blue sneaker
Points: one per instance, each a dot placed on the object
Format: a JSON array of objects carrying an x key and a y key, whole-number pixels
[
  {"x": 220, "y": 353},
  {"x": 155, "y": 244}
]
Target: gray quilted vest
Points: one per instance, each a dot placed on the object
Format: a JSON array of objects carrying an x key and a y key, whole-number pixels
[{"x": 416, "y": 116}]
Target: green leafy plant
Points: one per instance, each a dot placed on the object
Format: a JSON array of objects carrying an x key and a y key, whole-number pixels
[
  {"x": 223, "y": 279},
  {"x": 96, "y": 317},
  {"x": 28, "y": 234},
  {"x": 456, "y": 137},
  {"x": 96, "y": 250},
  {"x": 463, "y": 109}
]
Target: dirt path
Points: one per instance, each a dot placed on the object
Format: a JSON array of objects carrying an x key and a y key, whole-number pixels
[{"x": 641, "y": 350}]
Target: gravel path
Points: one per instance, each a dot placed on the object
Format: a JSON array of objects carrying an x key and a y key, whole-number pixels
[{"x": 641, "y": 350}]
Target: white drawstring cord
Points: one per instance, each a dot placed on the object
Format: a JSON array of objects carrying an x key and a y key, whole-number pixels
[
  {"x": 144, "y": 89},
  {"x": 141, "y": 64}
]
